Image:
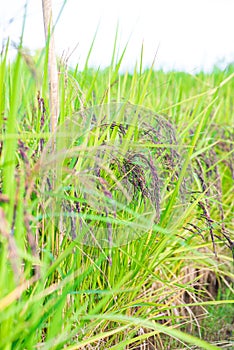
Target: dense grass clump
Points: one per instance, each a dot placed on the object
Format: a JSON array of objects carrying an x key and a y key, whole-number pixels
[{"x": 120, "y": 236}]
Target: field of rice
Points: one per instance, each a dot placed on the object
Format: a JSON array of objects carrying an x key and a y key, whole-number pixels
[{"x": 117, "y": 230}]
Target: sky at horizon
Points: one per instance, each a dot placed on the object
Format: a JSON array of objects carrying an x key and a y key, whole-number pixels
[{"x": 184, "y": 35}]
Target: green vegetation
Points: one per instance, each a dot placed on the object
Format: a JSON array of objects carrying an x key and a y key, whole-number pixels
[{"x": 153, "y": 134}]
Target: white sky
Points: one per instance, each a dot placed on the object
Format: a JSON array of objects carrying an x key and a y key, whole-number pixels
[{"x": 186, "y": 34}]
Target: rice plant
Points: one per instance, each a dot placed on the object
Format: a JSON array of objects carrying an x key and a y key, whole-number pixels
[{"x": 121, "y": 236}]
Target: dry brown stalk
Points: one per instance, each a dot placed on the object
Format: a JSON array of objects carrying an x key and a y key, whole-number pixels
[{"x": 52, "y": 63}]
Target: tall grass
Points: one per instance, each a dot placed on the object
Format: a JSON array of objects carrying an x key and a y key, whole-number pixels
[{"x": 59, "y": 290}]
